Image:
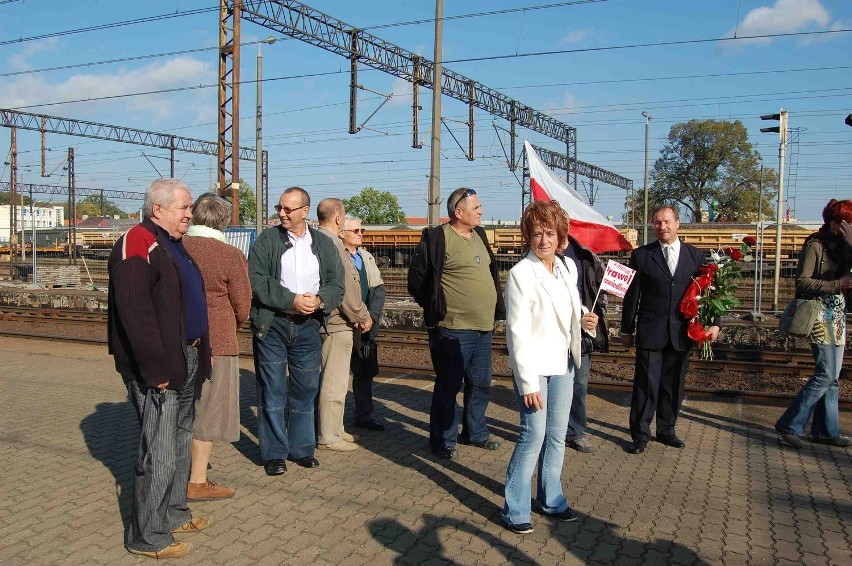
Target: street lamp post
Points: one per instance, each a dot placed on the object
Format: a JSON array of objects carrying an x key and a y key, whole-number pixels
[
  {"x": 648, "y": 119},
  {"x": 258, "y": 187}
]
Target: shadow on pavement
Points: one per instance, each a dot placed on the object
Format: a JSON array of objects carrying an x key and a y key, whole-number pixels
[
  {"x": 247, "y": 446},
  {"x": 589, "y": 540},
  {"x": 112, "y": 437}
]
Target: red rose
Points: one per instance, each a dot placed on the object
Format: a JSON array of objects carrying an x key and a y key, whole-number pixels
[
  {"x": 734, "y": 253},
  {"x": 708, "y": 269},
  {"x": 704, "y": 281},
  {"x": 696, "y": 331},
  {"x": 689, "y": 302},
  {"x": 750, "y": 241}
]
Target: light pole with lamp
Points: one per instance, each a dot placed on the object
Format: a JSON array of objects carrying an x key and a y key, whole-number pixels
[
  {"x": 648, "y": 119},
  {"x": 258, "y": 187}
]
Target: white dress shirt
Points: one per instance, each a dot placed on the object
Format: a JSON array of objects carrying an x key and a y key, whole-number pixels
[{"x": 299, "y": 265}]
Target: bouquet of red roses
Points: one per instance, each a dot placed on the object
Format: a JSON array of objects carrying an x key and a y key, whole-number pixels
[{"x": 712, "y": 293}]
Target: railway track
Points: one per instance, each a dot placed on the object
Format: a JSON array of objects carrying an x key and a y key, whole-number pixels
[{"x": 790, "y": 363}]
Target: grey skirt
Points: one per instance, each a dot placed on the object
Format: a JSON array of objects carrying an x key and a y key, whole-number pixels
[{"x": 217, "y": 411}]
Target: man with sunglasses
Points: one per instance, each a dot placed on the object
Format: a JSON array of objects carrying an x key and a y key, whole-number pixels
[
  {"x": 453, "y": 276},
  {"x": 364, "y": 361},
  {"x": 297, "y": 280}
]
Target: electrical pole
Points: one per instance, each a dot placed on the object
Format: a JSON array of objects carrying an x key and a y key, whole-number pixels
[
  {"x": 435, "y": 161},
  {"x": 781, "y": 128},
  {"x": 645, "y": 218},
  {"x": 258, "y": 188}
]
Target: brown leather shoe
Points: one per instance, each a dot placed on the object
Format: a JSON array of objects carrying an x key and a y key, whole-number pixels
[
  {"x": 174, "y": 550},
  {"x": 208, "y": 491},
  {"x": 193, "y": 526}
]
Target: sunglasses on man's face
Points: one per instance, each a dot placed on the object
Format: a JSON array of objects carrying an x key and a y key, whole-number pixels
[
  {"x": 289, "y": 211},
  {"x": 467, "y": 193},
  {"x": 356, "y": 231}
]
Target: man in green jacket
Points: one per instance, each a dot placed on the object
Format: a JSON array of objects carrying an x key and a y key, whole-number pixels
[{"x": 297, "y": 280}]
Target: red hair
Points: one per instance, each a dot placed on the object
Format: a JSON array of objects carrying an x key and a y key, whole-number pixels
[
  {"x": 545, "y": 214},
  {"x": 837, "y": 211}
]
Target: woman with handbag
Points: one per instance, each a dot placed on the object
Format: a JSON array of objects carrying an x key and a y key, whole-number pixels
[{"x": 823, "y": 274}]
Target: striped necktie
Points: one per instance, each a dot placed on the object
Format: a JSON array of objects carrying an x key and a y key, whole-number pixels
[{"x": 668, "y": 253}]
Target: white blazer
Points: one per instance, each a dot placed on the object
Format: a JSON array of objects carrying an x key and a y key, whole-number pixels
[{"x": 542, "y": 320}]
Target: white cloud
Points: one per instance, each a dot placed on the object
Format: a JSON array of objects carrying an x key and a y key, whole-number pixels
[
  {"x": 579, "y": 36},
  {"x": 20, "y": 60},
  {"x": 31, "y": 89},
  {"x": 785, "y": 16}
]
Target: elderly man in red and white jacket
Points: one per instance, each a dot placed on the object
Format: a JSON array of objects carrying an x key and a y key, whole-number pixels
[{"x": 158, "y": 336}]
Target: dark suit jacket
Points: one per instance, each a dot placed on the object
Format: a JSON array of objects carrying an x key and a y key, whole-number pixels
[{"x": 651, "y": 308}]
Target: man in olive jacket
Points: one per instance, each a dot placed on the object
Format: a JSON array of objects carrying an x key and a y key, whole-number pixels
[{"x": 296, "y": 280}]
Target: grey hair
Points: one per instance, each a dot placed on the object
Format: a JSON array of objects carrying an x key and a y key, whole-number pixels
[
  {"x": 212, "y": 211},
  {"x": 351, "y": 218},
  {"x": 162, "y": 192}
]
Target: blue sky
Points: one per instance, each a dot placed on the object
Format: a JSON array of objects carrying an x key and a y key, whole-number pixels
[{"x": 602, "y": 92}]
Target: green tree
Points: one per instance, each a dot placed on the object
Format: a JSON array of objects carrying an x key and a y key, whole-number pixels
[
  {"x": 375, "y": 207},
  {"x": 248, "y": 202},
  {"x": 709, "y": 166},
  {"x": 91, "y": 206}
]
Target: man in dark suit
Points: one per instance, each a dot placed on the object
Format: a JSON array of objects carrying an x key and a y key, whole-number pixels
[{"x": 664, "y": 269}]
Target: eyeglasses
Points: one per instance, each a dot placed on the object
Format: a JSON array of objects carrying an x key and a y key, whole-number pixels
[
  {"x": 356, "y": 231},
  {"x": 467, "y": 193},
  {"x": 289, "y": 211}
]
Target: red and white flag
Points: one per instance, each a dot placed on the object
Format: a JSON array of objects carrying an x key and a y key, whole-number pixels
[{"x": 588, "y": 227}]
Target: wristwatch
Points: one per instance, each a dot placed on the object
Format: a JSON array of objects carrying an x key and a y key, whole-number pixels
[{"x": 321, "y": 305}]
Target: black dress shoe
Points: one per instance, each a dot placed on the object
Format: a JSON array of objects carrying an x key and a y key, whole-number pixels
[
  {"x": 371, "y": 424},
  {"x": 636, "y": 447},
  {"x": 672, "y": 441},
  {"x": 275, "y": 467},
  {"x": 446, "y": 452},
  {"x": 306, "y": 462}
]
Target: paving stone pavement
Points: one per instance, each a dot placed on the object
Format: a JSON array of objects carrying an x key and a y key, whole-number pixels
[{"x": 734, "y": 495}]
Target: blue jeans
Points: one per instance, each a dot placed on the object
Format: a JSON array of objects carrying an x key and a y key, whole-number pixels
[
  {"x": 459, "y": 357},
  {"x": 818, "y": 396},
  {"x": 162, "y": 464},
  {"x": 541, "y": 440},
  {"x": 287, "y": 367},
  {"x": 577, "y": 420}
]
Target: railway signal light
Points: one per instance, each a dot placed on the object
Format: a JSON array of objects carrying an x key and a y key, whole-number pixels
[{"x": 780, "y": 129}]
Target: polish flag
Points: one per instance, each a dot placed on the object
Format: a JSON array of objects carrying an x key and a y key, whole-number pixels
[{"x": 588, "y": 227}]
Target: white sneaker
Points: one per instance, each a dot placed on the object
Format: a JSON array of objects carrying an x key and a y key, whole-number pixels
[{"x": 348, "y": 437}]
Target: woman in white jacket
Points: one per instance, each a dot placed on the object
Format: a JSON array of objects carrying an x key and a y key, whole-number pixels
[{"x": 543, "y": 326}]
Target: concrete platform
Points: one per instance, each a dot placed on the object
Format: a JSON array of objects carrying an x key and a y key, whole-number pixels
[{"x": 734, "y": 495}]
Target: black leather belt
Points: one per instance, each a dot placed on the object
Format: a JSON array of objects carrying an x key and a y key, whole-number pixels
[
  {"x": 194, "y": 343},
  {"x": 295, "y": 318}
]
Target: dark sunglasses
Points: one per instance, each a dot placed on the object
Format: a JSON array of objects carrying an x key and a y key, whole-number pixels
[
  {"x": 356, "y": 231},
  {"x": 289, "y": 211},
  {"x": 467, "y": 193}
]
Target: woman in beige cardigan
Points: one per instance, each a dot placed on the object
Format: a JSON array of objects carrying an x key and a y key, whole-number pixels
[{"x": 225, "y": 273}]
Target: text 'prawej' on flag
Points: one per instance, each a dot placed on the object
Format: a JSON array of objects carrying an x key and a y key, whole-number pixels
[
  {"x": 616, "y": 278},
  {"x": 588, "y": 226}
]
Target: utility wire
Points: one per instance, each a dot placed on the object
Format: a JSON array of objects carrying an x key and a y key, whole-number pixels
[
  {"x": 642, "y": 45},
  {"x": 111, "y": 25}
]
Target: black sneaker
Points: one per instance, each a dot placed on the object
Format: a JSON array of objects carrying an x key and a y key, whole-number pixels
[
  {"x": 566, "y": 516},
  {"x": 521, "y": 529},
  {"x": 489, "y": 444},
  {"x": 446, "y": 452}
]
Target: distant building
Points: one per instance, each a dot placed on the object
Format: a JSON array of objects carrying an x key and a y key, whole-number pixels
[{"x": 42, "y": 216}]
